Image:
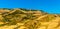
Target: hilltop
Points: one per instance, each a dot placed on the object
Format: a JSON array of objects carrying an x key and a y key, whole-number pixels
[{"x": 28, "y": 19}]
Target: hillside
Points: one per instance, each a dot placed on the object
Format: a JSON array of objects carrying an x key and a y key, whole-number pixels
[{"x": 28, "y": 19}]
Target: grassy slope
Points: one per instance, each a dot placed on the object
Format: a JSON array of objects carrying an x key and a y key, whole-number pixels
[{"x": 28, "y": 19}]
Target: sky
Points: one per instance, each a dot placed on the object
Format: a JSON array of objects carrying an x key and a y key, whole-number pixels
[{"x": 50, "y": 6}]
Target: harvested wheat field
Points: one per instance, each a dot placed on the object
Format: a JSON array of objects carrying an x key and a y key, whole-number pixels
[{"x": 28, "y": 19}]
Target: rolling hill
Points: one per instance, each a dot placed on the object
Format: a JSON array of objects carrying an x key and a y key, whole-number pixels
[{"x": 28, "y": 19}]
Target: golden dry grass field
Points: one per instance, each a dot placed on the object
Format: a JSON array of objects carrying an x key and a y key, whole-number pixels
[{"x": 28, "y": 19}]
